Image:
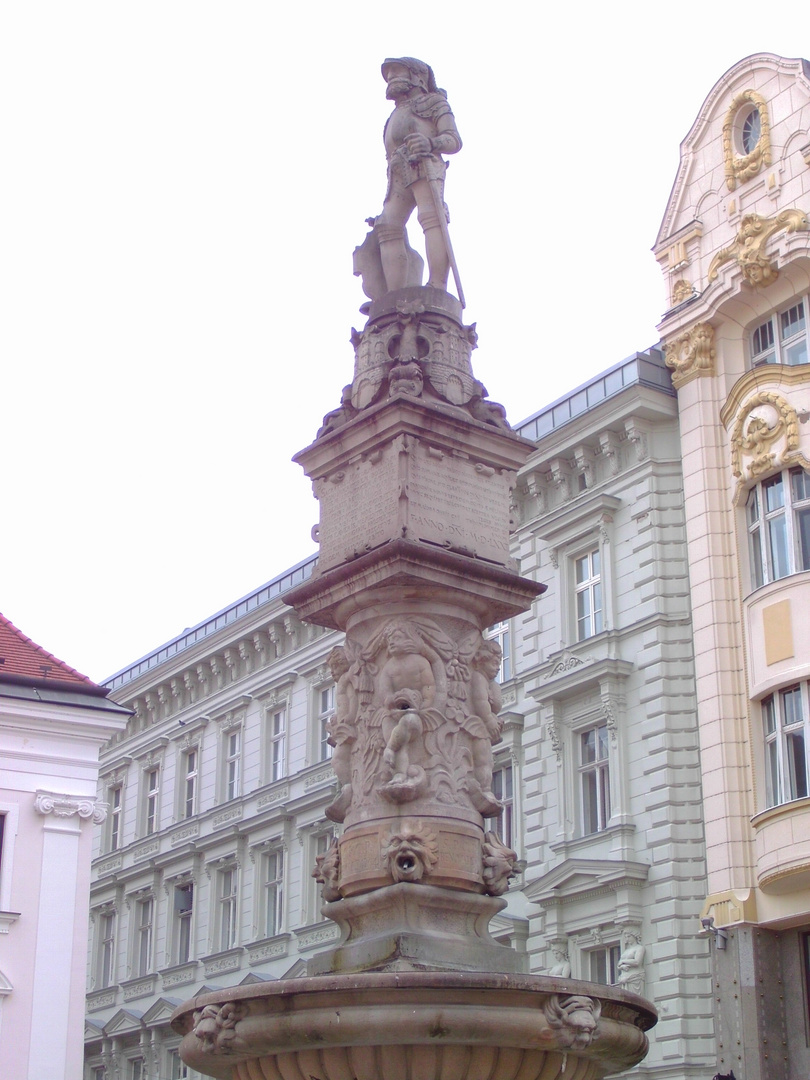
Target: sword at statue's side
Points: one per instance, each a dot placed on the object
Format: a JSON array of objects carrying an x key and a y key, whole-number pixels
[{"x": 435, "y": 187}]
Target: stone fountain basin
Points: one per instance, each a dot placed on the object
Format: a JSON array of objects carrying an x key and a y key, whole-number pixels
[{"x": 415, "y": 1025}]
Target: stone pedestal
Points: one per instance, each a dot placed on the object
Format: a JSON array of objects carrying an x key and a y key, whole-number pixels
[{"x": 413, "y": 475}]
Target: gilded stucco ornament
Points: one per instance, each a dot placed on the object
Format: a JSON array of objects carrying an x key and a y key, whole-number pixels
[
  {"x": 691, "y": 354},
  {"x": 754, "y": 439},
  {"x": 748, "y": 249},
  {"x": 681, "y": 290},
  {"x": 741, "y": 167}
]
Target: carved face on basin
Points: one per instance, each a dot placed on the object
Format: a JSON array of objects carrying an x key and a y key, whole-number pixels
[{"x": 410, "y": 854}]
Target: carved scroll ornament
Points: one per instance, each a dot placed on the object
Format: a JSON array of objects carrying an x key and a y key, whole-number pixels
[
  {"x": 748, "y": 249},
  {"x": 49, "y": 802},
  {"x": 741, "y": 167},
  {"x": 753, "y": 439},
  {"x": 691, "y": 354}
]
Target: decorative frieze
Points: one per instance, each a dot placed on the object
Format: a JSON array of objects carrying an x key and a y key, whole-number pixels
[
  {"x": 138, "y": 988},
  {"x": 233, "y": 813},
  {"x": 186, "y": 833},
  {"x": 269, "y": 949},
  {"x": 152, "y": 847},
  {"x": 310, "y": 937},
  {"x": 219, "y": 963},
  {"x": 278, "y": 795}
]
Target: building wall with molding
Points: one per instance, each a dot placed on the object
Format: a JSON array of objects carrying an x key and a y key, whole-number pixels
[
  {"x": 734, "y": 247},
  {"x": 604, "y": 479}
]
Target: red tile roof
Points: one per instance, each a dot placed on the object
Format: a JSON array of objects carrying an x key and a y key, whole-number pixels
[{"x": 23, "y": 661}]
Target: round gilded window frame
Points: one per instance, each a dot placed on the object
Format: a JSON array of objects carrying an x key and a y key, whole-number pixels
[{"x": 739, "y": 165}]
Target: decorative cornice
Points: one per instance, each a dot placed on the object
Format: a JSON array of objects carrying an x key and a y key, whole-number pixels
[
  {"x": 691, "y": 354},
  {"x": 748, "y": 249},
  {"x": 741, "y": 167},
  {"x": 51, "y": 802}
]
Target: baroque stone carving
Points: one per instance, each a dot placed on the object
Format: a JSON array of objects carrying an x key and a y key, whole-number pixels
[
  {"x": 417, "y": 715},
  {"x": 327, "y": 872},
  {"x": 420, "y": 129},
  {"x": 741, "y": 167},
  {"x": 215, "y": 1026},
  {"x": 631, "y": 961},
  {"x": 573, "y": 1019},
  {"x": 411, "y": 852},
  {"x": 748, "y": 249},
  {"x": 691, "y": 354},
  {"x": 49, "y": 802},
  {"x": 500, "y": 864},
  {"x": 753, "y": 449},
  {"x": 561, "y": 968},
  {"x": 681, "y": 290}
]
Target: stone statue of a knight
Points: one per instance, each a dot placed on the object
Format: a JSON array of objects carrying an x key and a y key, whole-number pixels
[{"x": 419, "y": 130}]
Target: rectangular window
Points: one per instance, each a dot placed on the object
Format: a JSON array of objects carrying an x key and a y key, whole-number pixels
[
  {"x": 152, "y": 800},
  {"x": 326, "y": 707},
  {"x": 594, "y": 779},
  {"x": 190, "y": 759},
  {"x": 781, "y": 339},
  {"x": 273, "y": 892},
  {"x": 233, "y": 751},
  {"x": 500, "y": 633},
  {"x": 228, "y": 883},
  {"x": 136, "y": 1069},
  {"x": 106, "y": 950},
  {"x": 183, "y": 912},
  {"x": 784, "y": 722},
  {"x": 588, "y": 592},
  {"x": 778, "y": 517},
  {"x": 178, "y": 1070},
  {"x": 143, "y": 942},
  {"x": 603, "y": 965},
  {"x": 114, "y": 796},
  {"x": 278, "y": 744},
  {"x": 503, "y": 790}
]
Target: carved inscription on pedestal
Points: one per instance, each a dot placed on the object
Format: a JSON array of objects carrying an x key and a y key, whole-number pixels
[
  {"x": 456, "y": 501},
  {"x": 359, "y": 507}
]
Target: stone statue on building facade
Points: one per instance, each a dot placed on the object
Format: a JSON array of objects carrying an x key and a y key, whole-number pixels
[{"x": 419, "y": 130}]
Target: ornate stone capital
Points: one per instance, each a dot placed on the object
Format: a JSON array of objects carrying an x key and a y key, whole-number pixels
[
  {"x": 691, "y": 354},
  {"x": 51, "y": 802},
  {"x": 741, "y": 167},
  {"x": 748, "y": 249}
]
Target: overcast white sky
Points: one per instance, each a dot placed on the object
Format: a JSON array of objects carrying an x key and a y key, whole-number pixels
[{"x": 183, "y": 183}]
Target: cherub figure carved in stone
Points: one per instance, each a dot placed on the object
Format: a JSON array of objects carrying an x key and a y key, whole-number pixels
[
  {"x": 420, "y": 129},
  {"x": 484, "y": 725},
  {"x": 406, "y": 687},
  {"x": 342, "y": 728}
]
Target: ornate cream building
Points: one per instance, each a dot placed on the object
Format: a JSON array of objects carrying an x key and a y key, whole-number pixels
[
  {"x": 734, "y": 247},
  {"x": 656, "y": 697}
]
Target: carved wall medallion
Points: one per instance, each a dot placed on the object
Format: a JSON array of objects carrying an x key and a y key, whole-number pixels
[
  {"x": 681, "y": 290},
  {"x": 755, "y": 438},
  {"x": 741, "y": 167},
  {"x": 691, "y": 354},
  {"x": 748, "y": 249}
]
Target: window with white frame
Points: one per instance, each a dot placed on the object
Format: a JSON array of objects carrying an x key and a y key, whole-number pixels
[
  {"x": 588, "y": 594},
  {"x": 273, "y": 873},
  {"x": 277, "y": 744},
  {"x": 500, "y": 633},
  {"x": 106, "y": 949},
  {"x": 785, "y": 717},
  {"x": 183, "y": 915},
  {"x": 326, "y": 707},
  {"x": 190, "y": 774},
  {"x": 594, "y": 778},
  {"x": 778, "y": 516},
  {"x": 145, "y": 914},
  {"x": 233, "y": 756},
  {"x": 137, "y": 1070},
  {"x": 603, "y": 965},
  {"x": 228, "y": 892},
  {"x": 178, "y": 1070},
  {"x": 115, "y": 801},
  {"x": 151, "y": 779},
  {"x": 782, "y": 339},
  {"x": 503, "y": 789}
]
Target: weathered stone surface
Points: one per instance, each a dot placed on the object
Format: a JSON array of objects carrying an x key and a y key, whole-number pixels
[{"x": 438, "y": 1024}]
